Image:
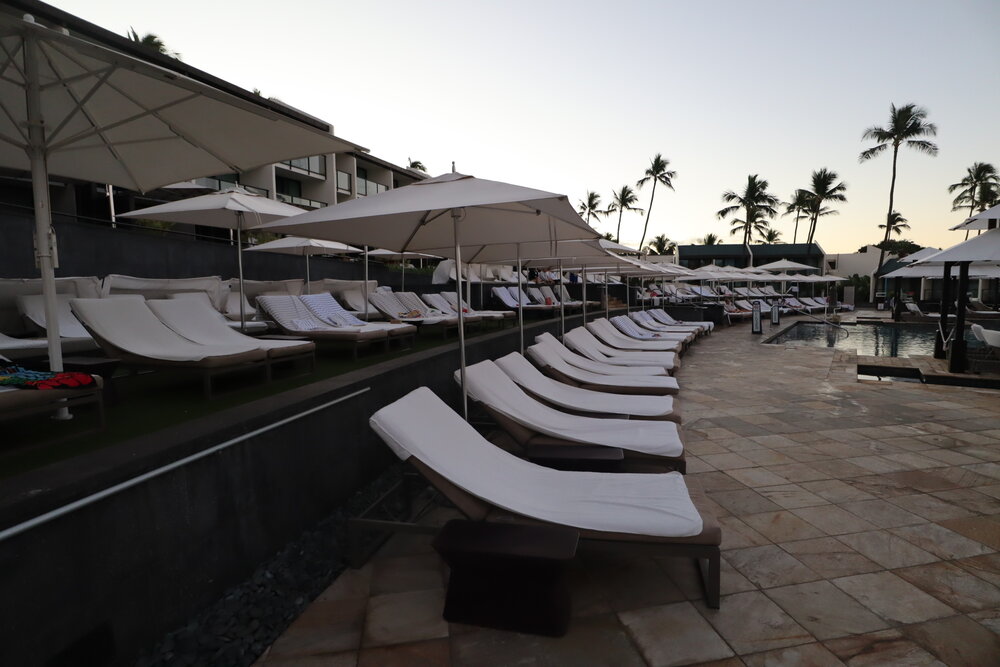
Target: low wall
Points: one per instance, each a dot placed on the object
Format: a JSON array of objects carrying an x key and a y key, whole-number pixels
[{"x": 126, "y": 569}]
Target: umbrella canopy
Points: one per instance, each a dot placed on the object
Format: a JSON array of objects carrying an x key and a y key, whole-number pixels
[
  {"x": 232, "y": 209},
  {"x": 918, "y": 255},
  {"x": 976, "y": 270},
  {"x": 296, "y": 245},
  {"x": 618, "y": 248},
  {"x": 982, "y": 248},
  {"x": 786, "y": 265},
  {"x": 988, "y": 219},
  {"x": 382, "y": 253},
  {"x": 76, "y": 108}
]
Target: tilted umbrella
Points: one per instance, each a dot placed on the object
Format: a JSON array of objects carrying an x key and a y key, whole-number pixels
[
  {"x": 233, "y": 209},
  {"x": 296, "y": 245},
  {"x": 988, "y": 219},
  {"x": 452, "y": 211},
  {"x": 88, "y": 106}
]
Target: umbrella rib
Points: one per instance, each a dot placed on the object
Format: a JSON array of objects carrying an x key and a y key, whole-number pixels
[{"x": 79, "y": 103}]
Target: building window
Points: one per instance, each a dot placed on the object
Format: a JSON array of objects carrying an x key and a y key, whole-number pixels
[
  {"x": 343, "y": 182},
  {"x": 287, "y": 186},
  {"x": 315, "y": 165}
]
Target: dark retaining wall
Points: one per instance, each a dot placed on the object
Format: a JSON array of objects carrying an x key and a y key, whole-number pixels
[{"x": 131, "y": 567}]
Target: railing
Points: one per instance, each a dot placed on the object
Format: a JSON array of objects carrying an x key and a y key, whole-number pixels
[
  {"x": 314, "y": 166},
  {"x": 218, "y": 184},
  {"x": 367, "y": 188},
  {"x": 299, "y": 201}
]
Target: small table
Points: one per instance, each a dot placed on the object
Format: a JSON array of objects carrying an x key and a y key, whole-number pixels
[
  {"x": 103, "y": 366},
  {"x": 508, "y": 576}
]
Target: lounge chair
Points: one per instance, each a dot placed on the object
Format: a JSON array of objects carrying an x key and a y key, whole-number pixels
[
  {"x": 571, "y": 398},
  {"x": 296, "y": 319},
  {"x": 18, "y": 403},
  {"x": 411, "y": 300},
  {"x": 609, "y": 335},
  {"x": 521, "y": 298},
  {"x": 390, "y": 306},
  {"x": 584, "y": 342},
  {"x": 532, "y": 423},
  {"x": 23, "y": 348},
  {"x": 589, "y": 364},
  {"x": 199, "y": 322},
  {"x": 448, "y": 302},
  {"x": 623, "y": 512},
  {"x": 125, "y": 328},
  {"x": 628, "y": 327},
  {"x": 664, "y": 317},
  {"x": 73, "y": 337},
  {"x": 647, "y": 321},
  {"x": 509, "y": 300},
  {"x": 326, "y": 308},
  {"x": 550, "y": 359},
  {"x": 251, "y": 326}
]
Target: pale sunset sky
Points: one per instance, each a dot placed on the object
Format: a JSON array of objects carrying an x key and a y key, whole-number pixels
[{"x": 577, "y": 96}]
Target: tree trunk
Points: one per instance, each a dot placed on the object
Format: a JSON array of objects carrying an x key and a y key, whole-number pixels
[
  {"x": 892, "y": 194},
  {"x": 795, "y": 235},
  {"x": 649, "y": 212},
  {"x": 618, "y": 236}
]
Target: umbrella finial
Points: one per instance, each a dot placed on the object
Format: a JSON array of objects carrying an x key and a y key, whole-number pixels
[{"x": 453, "y": 167}]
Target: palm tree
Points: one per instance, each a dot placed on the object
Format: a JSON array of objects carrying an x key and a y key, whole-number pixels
[
  {"x": 658, "y": 173},
  {"x": 897, "y": 222},
  {"x": 608, "y": 236},
  {"x": 824, "y": 188},
  {"x": 757, "y": 204},
  {"x": 625, "y": 200},
  {"x": 799, "y": 205},
  {"x": 152, "y": 42},
  {"x": 772, "y": 235},
  {"x": 416, "y": 164},
  {"x": 590, "y": 206},
  {"x": 710, "y": 239},
  {"x": 661, "y": 245},
  {"x": 906, "y": 123},
  {"x": 981, "y": 179}
]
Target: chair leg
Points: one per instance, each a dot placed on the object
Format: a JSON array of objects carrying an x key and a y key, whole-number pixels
[{"x": 711, "y": 573}]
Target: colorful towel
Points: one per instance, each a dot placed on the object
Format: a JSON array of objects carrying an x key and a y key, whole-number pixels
[{"x": 22, "y": 378}]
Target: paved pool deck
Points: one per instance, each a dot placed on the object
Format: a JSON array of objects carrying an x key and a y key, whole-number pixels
[{"x": 861, "y": 526}]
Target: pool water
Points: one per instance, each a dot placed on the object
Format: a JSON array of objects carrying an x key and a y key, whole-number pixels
[{"x": 877, "y": 340}]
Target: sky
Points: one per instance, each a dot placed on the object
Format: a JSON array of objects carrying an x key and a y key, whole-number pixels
[{"x": 580, "y": 95}]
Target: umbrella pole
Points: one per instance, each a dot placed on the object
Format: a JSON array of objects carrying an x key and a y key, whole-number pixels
[
  {"x": 584, "y": 295},
  {"x": 520, "y": 305},
  {"x": 607, "y": 297},
  {"x": 403, "y": 287},
  {"x": 562, "y": 305},
  {"x": 307, "y": 274},
  {"x": 455, "y": 215},
  {"x": 957, "y": 361},
  {"x": 44, "y": 238},
  {"x": 364, "y": 287},
  {"x": 239, "y": 265}
]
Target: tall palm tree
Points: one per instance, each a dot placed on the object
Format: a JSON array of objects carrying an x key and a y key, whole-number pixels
[
  {"x": 772, "y": 235},
  {"x": 757, "y": 203},
  {"x": 906, "y": 124},
  {"x": 152, "y": 42},
  {"x": 824, "y": 189},
  {"x": 977, "y": 180},
  {"x": 590, "y": 207},
  {"x": 625, "y": 199},
  {"x": 897, "y": 222},
  {"x": 416, "y": 164},
  {"x": 799, "y": 205},
  {"x": 710, "y": 239},
  {"x": 661, "y": 245},
  {"x": 658, "y": 173}
]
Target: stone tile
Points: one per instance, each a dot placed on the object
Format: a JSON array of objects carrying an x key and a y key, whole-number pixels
[
  {"x": 953, "y": 585},
  {"x": 690, "y": 639},
  {"x": 343, "y": 659},
  {"x": 434, "y": 653},
  {"x": 836, "y": 491},
  {"x": 737, "y": 535},
  {"x": 877, "y": 464},
  {"x": 702, "y": 447},
  {"x": 882, "y": 513},
  {"x": 963, "y": 478},
  {"x": 878, "y": 486},
  {"x": 829, "y": 557},
  {"x": 825, "y": 610},
  {"x": 782, "y": 526},
  {"x": 985, "y": 567},
  {"x": 840, "y": 469},
  {"x": 913, "y": 460},
  {"x": 727, "y": 461},
  {"x": 772, "y": 629},
  {"x": 769, "y": 566},
  {"x": 406, "y": 573},
  {"x": 790, "y": 496},
  {"x": 628, "y": 582},
  {"x": 351, "y": 584},
  {"x": 694, "y": 464},
  {"x": 756, "y": 477},
  {"x": 768, "y": 457},
  {"x": 970, "y": 499},
  {"x": 940, "y": 541},
  {"x": 329, "y": 626},
  {"x": 715, "y": 481},
  {"x": 958, "y": 641},
  {"x": 598, "y": 640},
  {"x": 886, "y": 549},
  {"x": 832, "y": 520},
  {"x": 399, "y": 618},
  {"x": 731, "y": 581},
  {"x": 807, "y": 655},
  {"x": 775, "y": 441},
  {"x": 798, "y": 472},
  {"x": 880, "y": 649},
  {"x": 892, "y": 598},
  {"x": 950, "y": 457},
  {"x": 929, "y": 507},
  {"x": 981, "y": 529},
  {"x": 744, "y": 501},
  {"x": 989, "y": 619}
]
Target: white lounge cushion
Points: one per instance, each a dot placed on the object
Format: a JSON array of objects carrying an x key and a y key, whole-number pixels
[
  {"x": 521, "y": 371},
  {"x": 325, "y": 307},
  {"x": 608, "y": 334},
  {"x": 585, "y": 343},
  {"x": 488, "y": 384},
  {"x": 589, "y": 364},
  {"x": 32, "y": 306},
  {"x": 546, "y": 354},
  {"x": 421, "y": 425}
]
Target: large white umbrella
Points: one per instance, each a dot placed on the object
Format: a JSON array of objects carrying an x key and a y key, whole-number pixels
[
  {"x": 988, "y": 219},
  {"x": 296, "y": 245},
  {"x": 382, "y": 253},
  {"x": 82, "y": 108},
  {"x": 786, "y": 265},
  {"x": 453, "y": 211},
  {"x": 233, "y": 209}
]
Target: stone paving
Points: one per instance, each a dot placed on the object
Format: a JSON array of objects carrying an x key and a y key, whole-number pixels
[{"x": 861, "y": 525}]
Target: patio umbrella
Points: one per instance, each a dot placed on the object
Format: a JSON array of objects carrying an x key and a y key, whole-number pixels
[
  {"x": 452, "y": 211},
  {"x": 83, "y": 108},
  {"x": 382, "y": 253},
  {"x": 988, "y": 219},
  {"x": 785, "y": 265},
  {"x": 233, "y": 209},
  {"x": 296, "y": 245}
]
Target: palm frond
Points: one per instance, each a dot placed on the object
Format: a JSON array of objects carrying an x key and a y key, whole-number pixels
[
  {"x": 872, "y": 152},
  {"x": 923, "y": 146}
]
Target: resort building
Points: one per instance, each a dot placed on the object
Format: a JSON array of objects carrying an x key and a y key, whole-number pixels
[{"x": 738, "y": 255}]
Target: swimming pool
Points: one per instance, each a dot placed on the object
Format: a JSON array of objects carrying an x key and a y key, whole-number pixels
[{"x": 877, "y": 340}]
